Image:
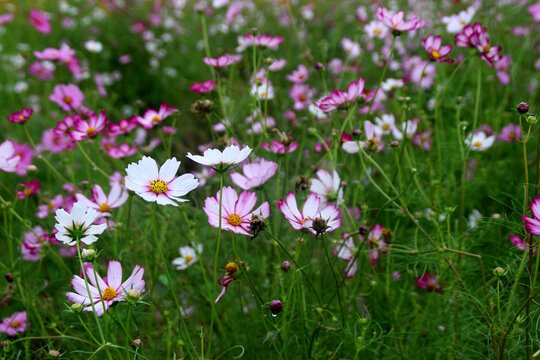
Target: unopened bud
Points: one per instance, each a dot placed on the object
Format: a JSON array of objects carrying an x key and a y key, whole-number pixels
[
  {"x": 76, "y": 307},
  {"x": 201, "y": 106},
  {"x": 276, "y": 307},
  {"x": 285, "y": 266},
  {"x": 531, "y": 119},
  {"x": 362, "y": 230},
  {"x": 134, "y": 294},
  {"x": 318, "y": 66},
  {"x": 54, "y": 353},
  {"x": 523, "y": 108},
  {"x": 88, "y": 254},
  {"x": 394, "y": 144},
  {"x": 357, "y": 132},
  {"x": 231, "y": 268},
  {"x": 499, "y": 271},
  {"x": 9, "y": 278},
  {"x": 137, "y": 342}
]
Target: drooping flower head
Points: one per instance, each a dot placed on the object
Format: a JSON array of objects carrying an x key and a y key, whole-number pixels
[
  {"x": 520, "y": 244},
  {"x": 236, "y": 211},
  {"x": 255, "y": 174},
  {"x": 14, "y": 324},
  {"x": 161, "y": 186},
  {"x": 112, "y": 288},
  {"x": 476, "y": 36},
  {"x": 78, "y": 225},
  {"x": 221, "y": 161}
]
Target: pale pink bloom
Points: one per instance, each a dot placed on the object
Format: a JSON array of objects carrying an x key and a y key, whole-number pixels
[
  {"x": 429, "y": 282},
  {"x": 14, "y": 324},
  {"x": 373, "y": 140},
  {"x": 301, "y": 94},
  {"x": 361, "y": 14},
  {"x": 169, "y": 130},
  {"x": 64, "y": 54},
  {"x": 409, "y": 128},
  {"x": 416, "y": 69},
  {"x": 277, "y": 65},
  {"x": 345, "y": 250},
  {"x": 56, "y": 142},
  {"x": 479, "y": 141},
  {"x": 98, "y": 79},
  {"x": 102, "y": 202},
  {"x": 159, "y": 185},
  {"x": 206, "y": 86},
  {"x": 259, "y": 122},
  {"x": 396, "y": 21},
  {"x": 111, "y": 287},
  {"x": 42, "y": 69},
  {"x": 376, "y": 243},
  {"x": 95, "y": 125},
  {"x": 476, "y": 36},
  {"x": 521, "y": 31},
  {"x": 280, "y": 148},
  {"x": 351, "y": 48},
  {"x": 204, "y": 175},
  {"x": 503, "y": 68},
  {"x": 236, "y": 211},
  {"x": 53, "y": 205},
  {"x": 532, "y": 225},
  {"x": 432, "y": 45},
  {"x": 386, "y": 123},
  {"x": 25, "y": 153},
  {"x": 263, "y": 91},
  {"x": 520, "y": 244},
  {"x": 153, "y": 117},
  {"x": 423, "y": 139},
  {"x": 339, "y": 98},
  {"x": 376, "y": 29},
  {"x": 455, "y": 23},
  {"x": 335, "y": 66},
  {"x": 271, "y": 42},
  {"x": 510, "y": 133},
  {"x": 311, "y": 211},
  {"x": 534, "y": 10},
  {"x": 6, "y": 18},
  {"x": 219, "y": 62},
  {"x": 69, "y": 97},
  {"x": 123, "y": 127},
  {"x": 300, "y": 75},
  {"x": 255, "y": 174},
  {"x": 327, "y": 186},
  {"x": 32, "y": 245},
  {"x": 40, "y": 21},
  {"x": 120, "y": 151}
]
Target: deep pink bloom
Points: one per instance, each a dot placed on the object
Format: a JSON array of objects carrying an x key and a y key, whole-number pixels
[
  {"x": 153, "y": 117},
  {"x": 112, "y": 288},
  {"x": 120, "y": 151},
  {"x": 83, "y": 129},
  {"x": 396, "y": 21},
  {"x": 206, "y": 86},
  {"x": 375, "y": 243},
  {"x": 32, "y": 245},
  {"x": 428, "y": 281},
  {"x": 301, "y": 94},
  {"x": 40, "y": 21},
  {"x": 222, "y": 61},
  {"x": 102, "y": 202},
  {"x": 476, "y": 36},
  {"x": 22, "y": 116},
  {"x": 54, "y": 204},
  {"x": 345, "y": 250},
  {"x": 532, "y": 225},
  {"x": 432, "y": 45},
  {"x": 27, "y": 188},
  {"x": 338, "y": 99},
  {"x": 236, "y": 211},
  {"x": 503, "y": 68},
  {"x": 56, "y": 142},
  {"x": 510, "y": 133},
  {"x": 299, "y": 75},
  {"x": 14, "y": 324},
  {"x": 69, "y": 97},
  {"x": 123, "y": 127},
  {"x": 64, "y": 54},
  {"x": 310, "y": 211},
  {"x": 280, "y": 148},
  {"x": 255, "y": 174},
  {"x": 520, "y": 244}
]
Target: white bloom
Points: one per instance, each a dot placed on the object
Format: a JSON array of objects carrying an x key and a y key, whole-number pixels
[
  {"x": 188, "y": 256},
  {"x": 213, "y": 157},
  {"x": 327, "y": 186},
  {"x": 93, "y": 46},
  {"x": 386, "y": 123},
  {"x": 264, "y": 91},
  {"x": 479, "y": 141},
  {"x": 474, "y": 218},
  {"x": 391, "y": 84},
  {"x": 78, "y": 224},
  {"x": 456, "y": 23},
  {"x": 351, "y": 48}
]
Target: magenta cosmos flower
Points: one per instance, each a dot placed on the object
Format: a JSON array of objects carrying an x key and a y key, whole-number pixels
[
  {"x": 206, "y": 86},
  {"x": 428, "y": 281},
  {"x": 153, "y": 117},
  {"x": 112, "y": 288},
  {"x": 236, "y": 211},
  {"x": 520, "y": 244},
  {"x": 311, "y": 213},
  {"x": 40, "y": 21},
  {"x": 69, "y": 97},
  {"x": 102, "y": 202},
  {"x": 510, "y": 133},
  {"x": 22, "y": 116},
  {"x": 532, "y": 225},
  {"x": 222, "y": 61},
  {"x": 396, "y": 21},
  {"x": 14, "y": 324},
  {"x": 83, "y": 129},
  {"x": 255, "y": 174},
  {"x": 476, "y": 36},
  {"x": 280, "y": 148},
  {"x": 27, "y": 188},
  {"x": 161, "y": 186},
  {"x": 338, "y": 99},
  {"x": 345, "y": 250},
  {"x": 432, "y": 45},
  {"x": 375, "y": 242}
]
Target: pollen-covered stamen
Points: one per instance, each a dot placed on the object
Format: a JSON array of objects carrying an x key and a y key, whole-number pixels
[
  {"x": 109, "y": 294},
  {"x": 303, "y": 221},
  {"x": 486, "y": 49},
  {"x": 91, "y": 131},
  {"x": 67, "y": 99},
  {"x": 158, "y": 186},
  {"x": 234, "y": 219},
  {"x": 156, "y": 119},
  {"x": 188, "y": 259},
  {"x": 435, "y": 54},
  {"x": 385, "y": 127},
  {"x": 477, "y": 144},
  {"x": 15, "y": 324},
  {"x": 377, "y": 31},
  {"x": 21, "y": 117},
  {"x": 104, "y": 207}
]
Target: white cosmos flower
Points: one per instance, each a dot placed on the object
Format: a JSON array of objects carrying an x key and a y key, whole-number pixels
[
  {"x": 188, "y": 256},
  {"x": 220, "y": 161},
  {"x": 78, "y": 224},
  {"x": 479, "y": 141},
  {"x": 161, "y": 186},
  {"x": 327, "y": 186}
]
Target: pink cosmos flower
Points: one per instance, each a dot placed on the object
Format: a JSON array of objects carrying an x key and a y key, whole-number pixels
[
  {"x": 124, "y": 126},
  {"x": 311, "y": 211},
  {"x": 327, "y": 186},
  {"x": 266, "y": 41},
  {"x": 32, "y": 245},
  {"x": 418, "y": 70},
  {"x": 42, "y": 69},
  {"x": 120, "y": 151},
  {"x": 532, "y": 225},
  {"x": 22, "y": 116},
  {"x": 14, "y": 324},
  {"x": 236, "y": 211},
  {"x": 351, "y": 48},
  {"x": 69, "y": 97},
  {"x": 396, "y": 21},
  {"x": 520, "y": 244},
  {"x": 423, "y": 139},
  {"x": 345, "y": 250},
  {"x": 205, "y": 174},
  {"x": 153, "y": 117},
  {"x": 54, "y": 204},
  {"x": 300, "y": 75},
  {"x": 429, "y": 282},
  {"x": 206, "y": 86},
  {"x": 277, "y": 65},
  {"x": 255, "y": 174},
  {"x": 503, "y": 68},
  {"x": 301, "y": 94},
  {"x": 8, "y": 158},
  {"x": 95, "y": 125},
  {"x": 27, "y": 188},
  {"x": 279, "y": 147},
  {"x": 63, "y": 54},
  {"x": 222, "y": 61},
  {"x": 339, "y": 98},
  {"x": 476, "y": 36},
  {"x": 103, "y": 203},
  {"x": 375, "y": 242},
  {"x": 407, "y": 128},
  {"x": 56, "y": 142},
  {"x": 112, "y": 288},
  {"x": 510, "y": 133},
  {"x": 432, "y": 45},
  {"x": 534, "y": 10},
  {"x": 40, "y": 21},
  {"x": 376, "y": 29},
  {"x": 6, "y": 18},
  {"x": 161, "y": 186},
  {"x": 25, "y": 153},
  {"x": 373, "y": 140}
]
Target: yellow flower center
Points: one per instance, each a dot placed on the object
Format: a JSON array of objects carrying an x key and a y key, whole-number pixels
[
  {"x": 377, "y": 31},
  {"x": 234, "y": 219},
  {"x": 21, "y": 117},
  {"x": 91, "y": 131},
  {"x": 188, "y": 259},
  {"x": 477, "y": 144},
  {"x": 303, "y": 221},
  {"x": 109, "y": 294},
  {"x": 435, "y": 54},
  {"x": 385, "y": 127},
  {"x": 67, "y": 99},
  {"x": 15, "y": 324},
  {"x": 104, "y": 207},
  {"x": 231, "y": 268},
  {"x": 486, "y": 49},
  {"x": 512, "y": 135},
  {"x": 156, "y": 119},
  {"x": 158, "y": 186}
]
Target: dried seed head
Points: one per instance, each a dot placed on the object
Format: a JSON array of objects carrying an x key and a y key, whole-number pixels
[
  {"x": 303, "y": 184},
  {"x": 201, "y": 106},
  {"x": 319, "y": 225}
]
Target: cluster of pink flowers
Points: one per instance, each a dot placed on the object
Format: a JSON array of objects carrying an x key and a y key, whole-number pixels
[{"x": 476, "y": 36}]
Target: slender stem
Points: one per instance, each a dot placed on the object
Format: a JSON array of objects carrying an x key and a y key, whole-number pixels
[
  {"x": 51, "y": 166},
  {"x": 335, "y": 280},
  {"x": 383, "y": 73},
  {"x": 92, "y": 162}
]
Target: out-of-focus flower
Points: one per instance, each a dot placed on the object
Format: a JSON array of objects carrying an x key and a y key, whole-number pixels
[
  {"x": 95, "y": 125},
  {"x": 221, "y": 161},
  {"x": 455, "y": 23},
  {"x": 373, "y": 140},
  {"x": 102, "y": 202},
  {"x": 476, "y": 36},
  {"x": 206, "y": 86},
  {"x": 520, "y": 244},
  {"x": 153, "y": 117},
  {"x": 510, "y": 133},
  {"x": 432, "y": 45},
  {"x": 503, "y": 68},
  {"x": 14, "y": 324},
  {"x": 429, "y": 282},
  {"x": 532, "y": 225},
  {"x": 338, "y": 99},
  {"x": 27, "y": 188},
  {"x": 222, "y": 61},
  {"x": 188, "y": 256},
  {"x": 69, "y": 97},
  {"x": 376, "y": 29},
  {"x": 40, "y": 21},
  {"x": 77, "y": 225},
  {"x": 396, "y": 22},
  {"x": 8, "y": 157},
  {"x": 300, "y": 75},
  {"x": 351, "y": 48},
  {"x": 479, "y": 141},
  {"x": 255, "y": 174},
  {"x": 375, "y": 242},
  {"x": 345, "y": 250},
  {"x": 22, "y": 116}
]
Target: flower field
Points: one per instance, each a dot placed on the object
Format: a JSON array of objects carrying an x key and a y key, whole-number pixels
[{"x": 273, "y": 179}]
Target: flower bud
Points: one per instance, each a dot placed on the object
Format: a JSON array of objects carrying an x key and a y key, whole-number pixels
[
  {"x": 231, "y": 268},
  {"x": 523, "y": 108},
  {"x": 134, "y": 294},
  {"x": 357, "y": 132},
  {"x": 499, "y": 271},
  {"x": 201, "y": 106},
  {"x": 9, "y": 278},
  {"x": 76, "y": 307},
  {"x": 531, "y": 119},
  {"x": 54, "y": 353},
  {"x": 88, "y": 254},
  {"x": 285, "y": 266},
  {"x": 318, "y": 66},
  {"x": 276, "y": 307},
  {"x": 394, "y": 144},
  {"x": 137, "y": 342}
]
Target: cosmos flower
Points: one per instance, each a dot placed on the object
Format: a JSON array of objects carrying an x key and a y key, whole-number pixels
[
  {"x": 345, "y": 250},
  {"x": 520, "y": 244},
  {"x": 255, "y": 174},
  {"x": 8, "y": 157},
  {"x": 27, "y": 188},
  {"x": 455, "y": 23},
  {"x": 479, "y": 141},
  {"x": 95, "y": 125},
  {"x": 112, "y": 288},
  {"x": 40, "y": 21},
  {"x": 236, "y": 211},
  {"x": 69, "y": 97},
  {"x": 19, "y": 117},
  {"x": 476, "y": 36},
  {"x": 222, "y": 61},
  {"x": 32, "y": 244},
  {"x": 375, "y": 242},
  {"x": 161, "y": 186},
  {"x": 510, "y": 133},
  {"x": 153, "y": 117},
  {"x": 432, "y": 45},
  {"x": 396, "y": 22},
  {"x": 206, "y": 86},
  {"x": 327, "y": 186},
  {"x": 102, "y": 202},
  {"x": 429, "y": 282},
  {"x": 300, "y": 75},
  {"x": 339, "y": 98},
  {"x": 14, "y": 324},
  {"x": 532, "y": 225},
  {"x": 78, "y": 225},
  {"x": 188, "y": 256},
  {"x": 221, "y": 161}
]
